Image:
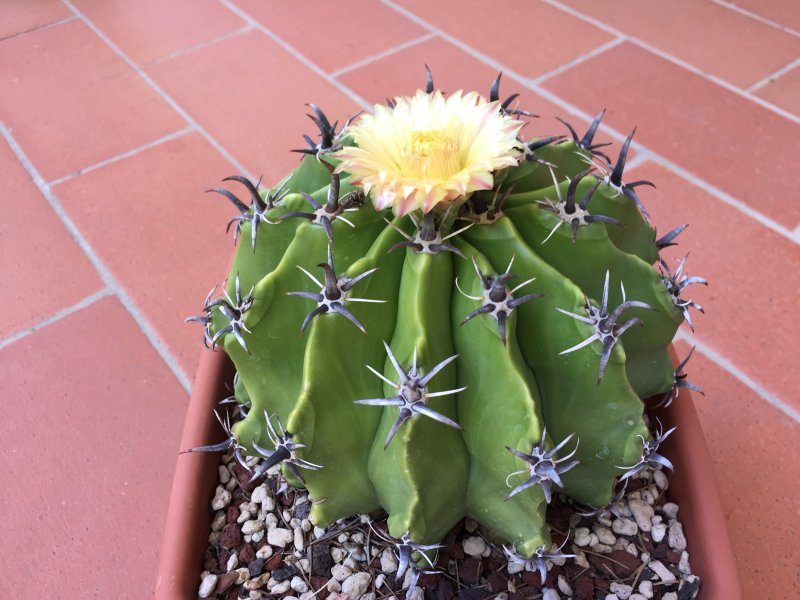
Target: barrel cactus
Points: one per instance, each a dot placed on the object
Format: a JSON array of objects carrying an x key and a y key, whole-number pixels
[{"x": 433, "y": 317}]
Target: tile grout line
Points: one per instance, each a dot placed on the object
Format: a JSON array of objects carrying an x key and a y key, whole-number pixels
[
  {"x": 150, "y": 333},
  {"x": 547, "y": 95},
  {"x": 198, "y": 46},
  {"x": 385, "y": 53},
  {"x": 39, "y": 28},
  {"x": 57, "y": 316},
  {"x": 738, "y": 374},
  {"x": 773, "y": 76},
  {"x": 581, "y": 59},
  {"x": 647, "y": 153},
  {"x": 294, "y": 52},
  {"x": 159, "y": 91},
  {"x": 676, "y": 61},
  {"x": 127, "y": 154},
  {"x": 756, "y": 17}
]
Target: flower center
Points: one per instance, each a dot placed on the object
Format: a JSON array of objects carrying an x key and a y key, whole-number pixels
[{"x": 431, "y": 154}]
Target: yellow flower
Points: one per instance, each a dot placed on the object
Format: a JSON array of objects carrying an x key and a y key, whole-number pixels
[{"x": 429, "y": 150}]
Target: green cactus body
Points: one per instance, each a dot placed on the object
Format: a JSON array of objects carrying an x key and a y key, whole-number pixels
[{"x": 390, "y": 364}]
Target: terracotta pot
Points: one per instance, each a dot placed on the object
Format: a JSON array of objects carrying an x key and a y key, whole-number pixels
[{"x": 692, "y": 486}]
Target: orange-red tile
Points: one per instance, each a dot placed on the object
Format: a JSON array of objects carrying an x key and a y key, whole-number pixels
[
  {"x": 734, "y": 144},
  {"x": 784, "y": 91},
  {"x": 44, "y": 271},
  {"x": 404, "y": 72},
  {"x": 755, "y": 456},
  {"x": 780, "y": 11},
  {"x": 531, "y": 38},
  {"x": 18, "y": 16},
  {"x": 149, "y": 29},
  {"x": 71, "y": 102},
  {"x": 711, "y": 37},
  {"x": 753, "y": 279},
  {"x": 88, "y": 455},
  {"x": 249, "y": 93},
  {"x": 161, "y": 236},
  {"x": 333, "y": 35}
]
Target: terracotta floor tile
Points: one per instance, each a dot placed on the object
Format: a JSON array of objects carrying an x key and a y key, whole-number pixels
[
  {"x": 44, "y": 271},
  {"x": 711, "y": 37},
  {"x": 18, "y": 16},
  {"x": 753, "y": 280},
  {"x": 755, "y": 462},
  {"x": 249, "y": 93},
  {"x": 71, "y": 102},
  {"x": 723, "y": 138},
  {"x": 88, "y": 457},
  {"x": 159, "y": 197},
  {"x": 333, "y": 35},
  {"x": 404, "y": 72},
  {"x": 531, "y": 38},
  {"x": 780, "y": 11},
  {"x": 149, "y": 29},
  {"x": 784, "y": 91}
]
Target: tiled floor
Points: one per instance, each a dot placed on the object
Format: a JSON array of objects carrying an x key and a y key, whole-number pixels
[{"x": 116, "y": 115}]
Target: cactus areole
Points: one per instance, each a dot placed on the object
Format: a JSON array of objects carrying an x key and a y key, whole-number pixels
[{"x": 434, "y": 317}]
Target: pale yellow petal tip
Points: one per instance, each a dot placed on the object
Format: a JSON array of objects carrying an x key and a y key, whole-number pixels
[{"x": 430, "y": 150}]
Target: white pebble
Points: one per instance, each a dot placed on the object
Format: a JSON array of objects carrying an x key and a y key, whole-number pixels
[
  {"x": 341, "y": 572},
  {"x": 593, "y": 539},
  {"x": 333, "y": 585},
  {"x": 349, "y": 562},
  {"x": 264, "y": 552},
  {"x": 337, "y": 554},
  {"x": 243, "y": 516},
  {"x": 248, "y": 538},
  {"x": 357, "y": 537},
  {"x": 658, "y": 533},
  {"x": 625, "y": 527},
  {"x": 258, "y": 536},
  {"x": 582, "y": 536},
  {"x": 233, "y": 562},
  {"x": 280, "y": 537},
  {"x": 612, "y": 597},
  {"x": 306, "y": 525},
  {"x": 318, "y": 532},
  {"x": 305, "y": 565},
  {"x": 299, "y": 540},
  {"x": 369, "y": 596},
  {"x": 298, "y": 585},
  {"x": 661, "y": 480},
  {"x": 637, "y": 597},
  {"x": 683, "y": 565},
  {"x": 604, "y": 535},
  {"x": 244, "y": 575},
  {"x": 271, "y": 520},
  {"x": 250, "y": 527},
  {"x": 282, "y": 587},
  {"x": 474, "y": 545},
  {"x": 622, "y": 591},
  {"x": 219, "y": 522},
  {"x": 415, "y": 593},
  {"x": 642, "y": 513},
  {"x": 307, "y": 596},
  {"x": 645, "y": 557},
  {"x": 675, "y": 537},
  {"x": 256, "y": 595},
  {"x": 564, "y": 586},
  {"x": 356, "y": 585},
  {"x": 379, "y": 580},
  {"x": 221, "y": 498},
  {"x": 664, "y": 574},
  {"x": 670, "y": 510},
  {"x": 632, "y": 550},
  {"x": 670, "y": 596},
  {"x": 294, "y": 523},
  {"x": 604, "y": 519},
  {"x": 580, "y": 560},
  {"x": 213, "y": 538},
  {"x": 646, "y": 589},
  {"x": 224, "y": 475},
  {"x": 648, "y": 496},
  {"x": 259, "y": 494},
  {"x": 232, "y": 484},
  {"x": 207, "y": 586},
  {"x": 388, "y": 561},
  {"x": 514, "y": 567},
  {"x": 550, "y": 594},
  {"x": 602, "y": 549}
]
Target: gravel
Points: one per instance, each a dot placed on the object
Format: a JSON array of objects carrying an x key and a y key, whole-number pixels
[{"x": 263, "y": 545}]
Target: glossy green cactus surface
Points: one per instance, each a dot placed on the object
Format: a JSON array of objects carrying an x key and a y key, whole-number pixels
[{"x": 468, "y": 362}]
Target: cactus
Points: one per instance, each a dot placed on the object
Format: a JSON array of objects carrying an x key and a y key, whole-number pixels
[{"x": 442, "y": 352}]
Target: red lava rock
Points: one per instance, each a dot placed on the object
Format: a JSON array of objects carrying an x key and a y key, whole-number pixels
[
  {"x": 498, "y": 582},
  {"x": 321, "y": 561},
  {"x": 318, "y": 583},
  {"x": 286, "y": 499},
  {"x": 673, "y": 557},
  {"x": 457, "y": 551},
  {"x": 222, "y": 559},
  {"x": 210, "y": 562},
  {"x": 273, "y": 562},
  {"x": 631, "y": 563},
  {"x": 234, "y": 593},
  {"x": 470, "y": 571},
  {"x": 475, "y": 593},
  {"x": 230, "y": 536},
  {"x": 444, "y": 590},
  {"x": 660, "y": 551},
  {"x": 247, "y": 554},
  {"x": 583, "y": 588},
  {"x": 532, "y": 579},
  {"x": 243, "y": 477},
  {"x": 226, "y": 581},
  {"x": 427, "y": 581},
  {"x": 231, "y": 514}
]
